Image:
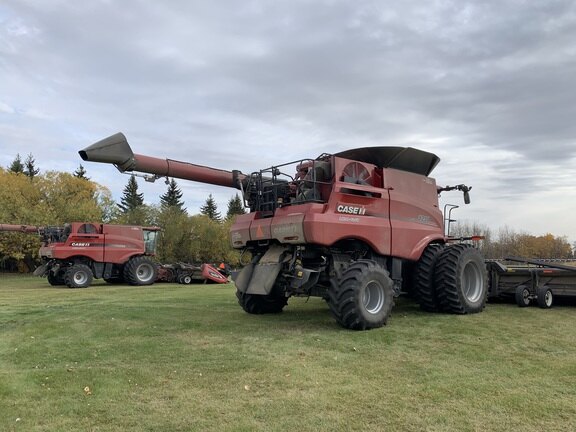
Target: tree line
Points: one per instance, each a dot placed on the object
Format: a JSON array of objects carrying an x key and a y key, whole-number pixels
[
  {"x": 509, "y": 243},
  {"x": 51, "y": 198}
]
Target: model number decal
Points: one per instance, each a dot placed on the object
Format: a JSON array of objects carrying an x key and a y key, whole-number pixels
[
  {"x": 348, "y": 219},
  {"x": 348, "y": 209}
]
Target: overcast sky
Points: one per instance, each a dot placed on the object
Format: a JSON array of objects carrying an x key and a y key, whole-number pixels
[{"x": 488, "y": 86}]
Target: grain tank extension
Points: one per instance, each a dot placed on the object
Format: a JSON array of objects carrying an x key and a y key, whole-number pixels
[{"x": 356, "y": 228}]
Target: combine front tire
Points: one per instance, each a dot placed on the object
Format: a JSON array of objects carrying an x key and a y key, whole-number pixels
[
  {"x": 78, "y": 276},
  {"x": 426, "y": 292},
  {"x": 363, "y": 297},
  {"x": 462, "y": 279},
  {"x": 140, "y": 271}
]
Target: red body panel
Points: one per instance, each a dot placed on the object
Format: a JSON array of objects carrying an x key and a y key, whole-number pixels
[
  {"x": 395, "y": 212},
  {"x": 122, "y": 242},
  {"x": 240, "y": 231},
  {"x": 288, "y": 223},
  {"x": 114, "y": 244},
  {"x": 415, "y": 217}
]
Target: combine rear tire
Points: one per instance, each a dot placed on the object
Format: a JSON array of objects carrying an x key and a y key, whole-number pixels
[
  {"x": 56, "y": 279},
  {"x": 427, "y": 295},
  {"x": 544, "y": 297},
  {"x": 363, "y": 296},
  {"x": 78, "y": 276},
  {"x": 140, "y": 271},
  {"x": 522, "y": 296},
  {"x": 461, "y": 279},
  {"x": 261, "y": 304},
  {"x": 114, "y": 280},
  {"x": 264, "y": 304}
]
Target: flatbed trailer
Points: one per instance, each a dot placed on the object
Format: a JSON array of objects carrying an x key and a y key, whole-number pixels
[{"x": 528, "y": 280}]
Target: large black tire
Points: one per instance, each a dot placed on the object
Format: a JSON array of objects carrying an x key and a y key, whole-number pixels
[
  {"x": 56, "y": 279},
  {"x": 362, "y": 297},
  {"x": 140, "y": 270},
  {"x": 544, "y": 297},
  {"x": 261, "y": 304},
  {"x": 265, "y": 304},
  {"x": 424, "y": 283},
  {"x": 461, "y": 280},
  {"x": 114, "y": 280},
  {"x": 78, "y": 276},
  {"x": 522, "y": 296}
]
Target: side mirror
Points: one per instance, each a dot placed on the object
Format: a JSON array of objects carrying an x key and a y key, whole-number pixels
[{"x": 466, "y": 197}]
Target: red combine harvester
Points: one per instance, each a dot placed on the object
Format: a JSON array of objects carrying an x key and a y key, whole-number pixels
[
  {"x": 76, "y": 253},
  {"x": 356, "y": 228}
]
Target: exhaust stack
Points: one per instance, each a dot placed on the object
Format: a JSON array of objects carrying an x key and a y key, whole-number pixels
[{"x": 116, "y": 150}]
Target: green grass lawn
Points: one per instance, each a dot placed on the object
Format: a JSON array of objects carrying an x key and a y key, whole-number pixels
[{"x": 187, "y": 358}]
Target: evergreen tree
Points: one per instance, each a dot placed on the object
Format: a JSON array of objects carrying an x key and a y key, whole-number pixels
[
  {"x": 235, "y": 207},
  {"x": 172, "y": 197},
  {"x": 131, "y": 199},
  {"x": 17, "y": 166},
  {"x": 81, "y": 173},
  {"x": 210, "y": 209},
  {"x": 29, "y": 167}
]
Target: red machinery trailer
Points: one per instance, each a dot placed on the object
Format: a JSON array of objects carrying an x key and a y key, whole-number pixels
[
  {"x": 185, "y": 273},
  {"x": 356, "y": 228},
  {"x": 77, "y": 252}
]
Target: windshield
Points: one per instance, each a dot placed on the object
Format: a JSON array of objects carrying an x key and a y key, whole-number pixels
[{"x": 150, "y": 241}]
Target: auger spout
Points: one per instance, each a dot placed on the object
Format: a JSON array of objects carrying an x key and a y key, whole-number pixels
[
  {"x": 19, "y": 228},
  {"x": 116, "y": 150}
]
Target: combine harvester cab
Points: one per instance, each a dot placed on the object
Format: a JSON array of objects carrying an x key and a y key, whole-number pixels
[{"x": 356, "y": 228}]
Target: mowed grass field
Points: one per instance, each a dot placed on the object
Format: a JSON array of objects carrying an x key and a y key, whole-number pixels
[{"x": 186, "y": 358}]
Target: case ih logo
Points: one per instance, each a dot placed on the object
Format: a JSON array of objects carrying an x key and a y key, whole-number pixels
[
  {"x": 77, "y": 244},
  {"x": 216, "y": 275},
  {"x": 348, "y": 209}
]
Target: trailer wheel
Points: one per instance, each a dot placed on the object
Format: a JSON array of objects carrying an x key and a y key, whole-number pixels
[
  {"x": 462, "y": 279},
  {"x": 187, "y": 279},
  {"x": 544, "y": 297},
  {"x": 140, "y": 271},
  {"x": 427, "y": 295},
  {"x": 522, "y": 296},
  {"x": 362, "y": 297},
  {"x": 78, "y": 276}
]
